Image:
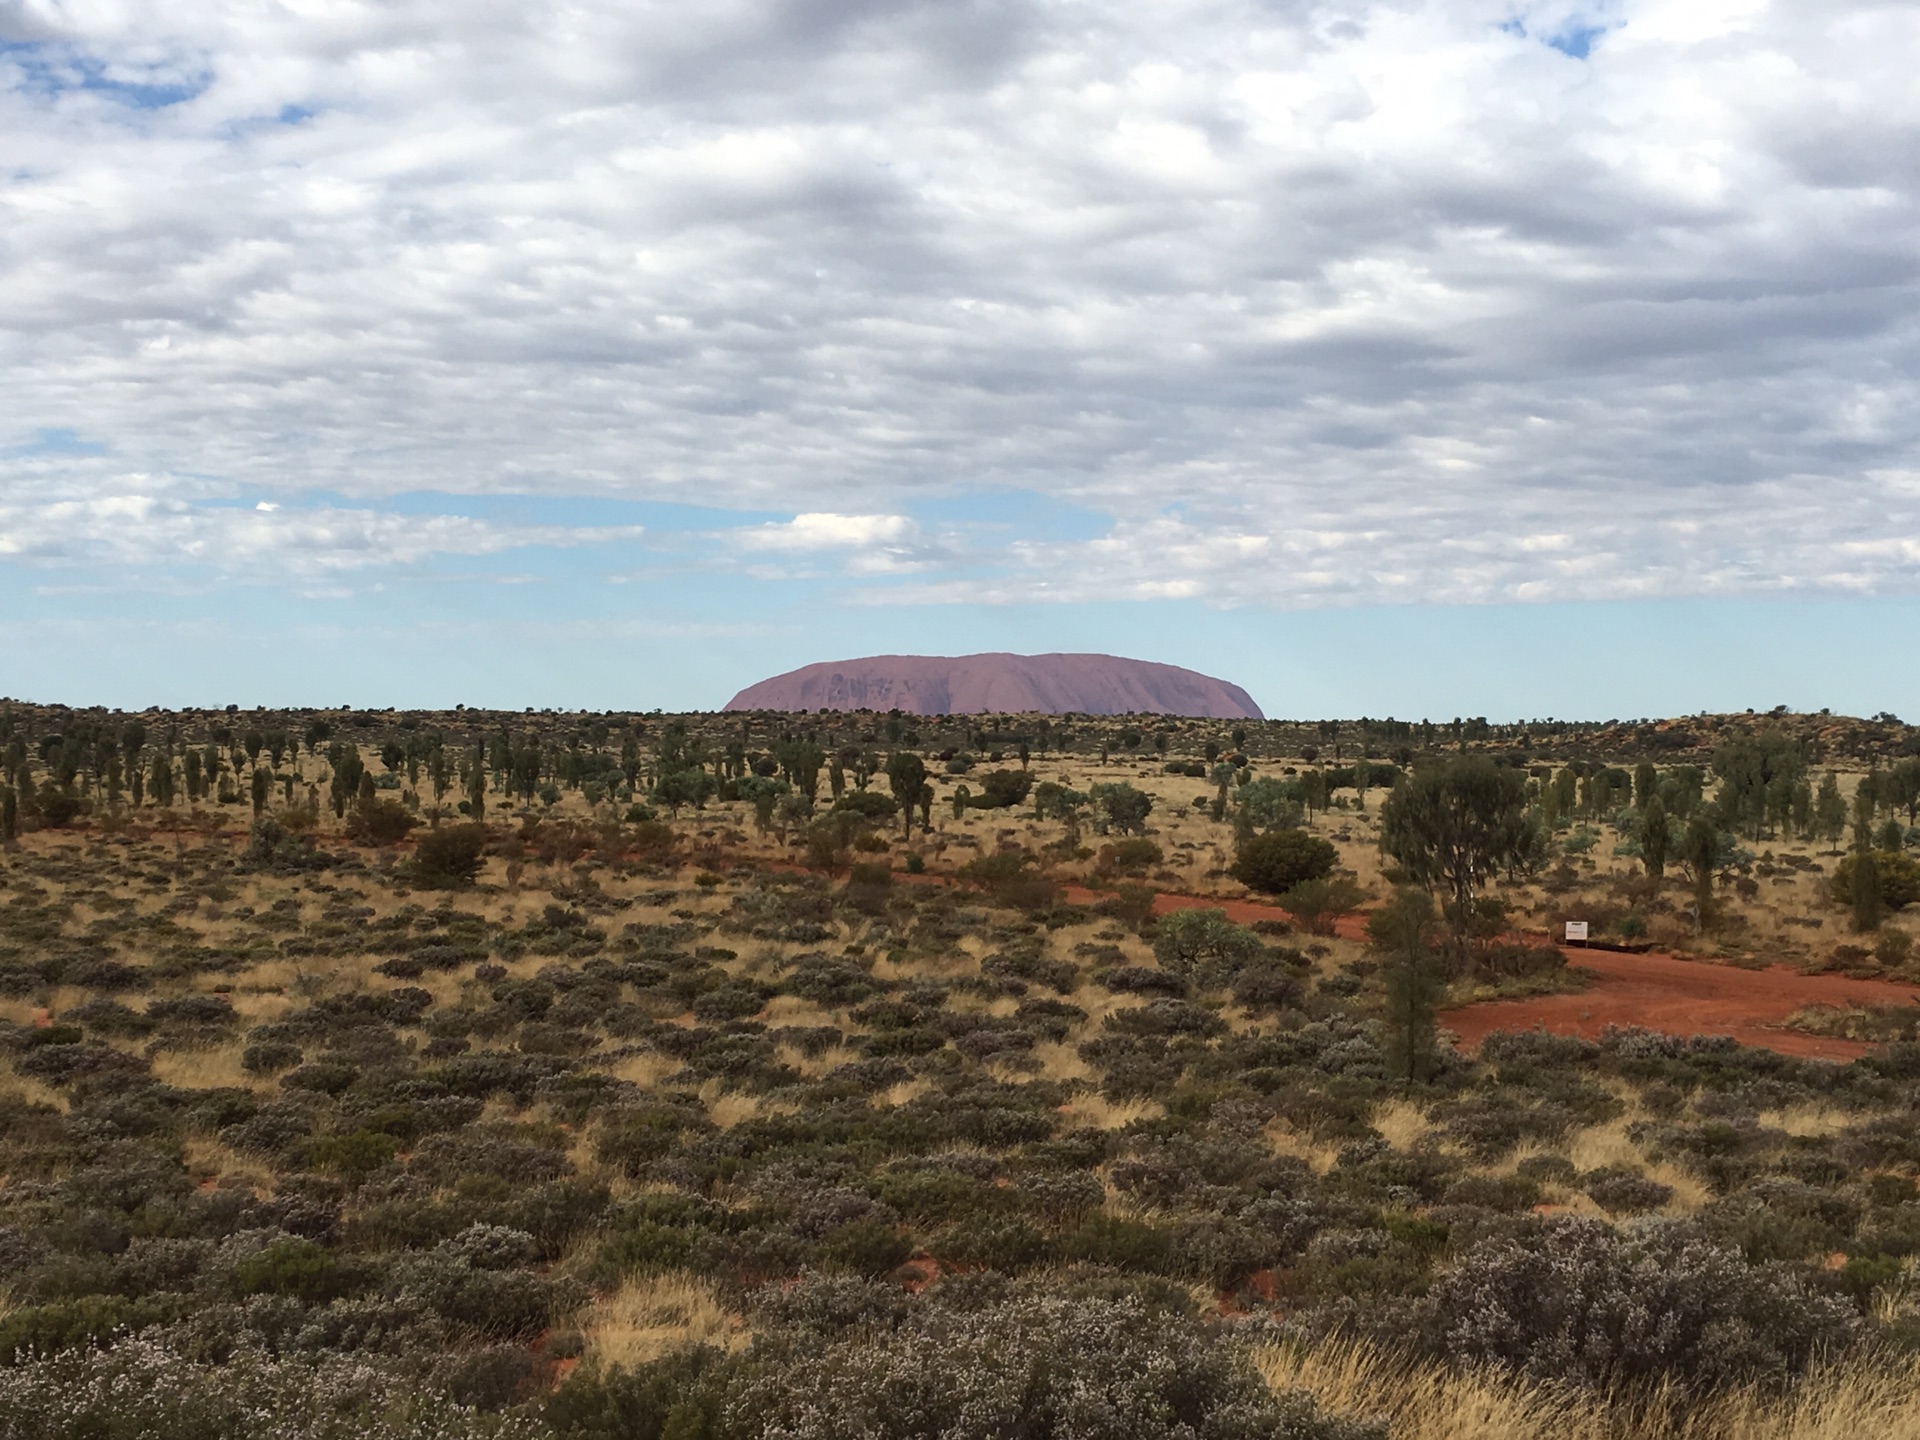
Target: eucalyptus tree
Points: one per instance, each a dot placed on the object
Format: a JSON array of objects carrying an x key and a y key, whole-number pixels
[
  {"x": 906, "y": 778},
  {"x": 1452, "y": 827}
]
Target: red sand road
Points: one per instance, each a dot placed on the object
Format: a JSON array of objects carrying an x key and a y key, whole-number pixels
[
  {"x": 1686, "y": 997},
  {"x": 1653, "y": 991}
]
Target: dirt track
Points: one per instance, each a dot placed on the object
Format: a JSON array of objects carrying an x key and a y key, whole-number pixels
[
  {"x": 1686, "y": 997},
  {"x": 1653, "y": 991}
]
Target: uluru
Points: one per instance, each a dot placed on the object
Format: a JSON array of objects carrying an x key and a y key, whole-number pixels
[{"x": 1001, "y": 684}]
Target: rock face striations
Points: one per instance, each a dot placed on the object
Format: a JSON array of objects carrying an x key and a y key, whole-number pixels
[{"x": 1000, "y": 684}]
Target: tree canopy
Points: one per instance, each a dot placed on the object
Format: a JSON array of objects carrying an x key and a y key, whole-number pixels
[{"x": 1451, "y": 827}]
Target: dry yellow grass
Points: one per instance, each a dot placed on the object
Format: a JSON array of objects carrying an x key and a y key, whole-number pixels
[
  {"x": 1318, "y": 1157},
  {"x": 1846, "y": 1402},
  {"x": 1853, "y": 1401},
  {"x": 901, "y": 1093},
  {"x": 1808, "y": 1121},
  {"x": 728, "y": 1108},
  {"x": 1091, "y": 1110},
  {"x": 207, "y": 1159},
  {"x": 1100, "y": 1003},
  {"x": 1060, "y": 1061},
  {"x": 814, "y": 1066},
  {"x": 1402, "y": 1124},
  {"x": 654, "y": 1315},
  {"x": 206, "y": 1069},
  {"x": 647, "y": 1070},
  {"x": 793, "y": 1010},
  {"x": 1424, "y": 1402},
  {"x": 1600, "y": 1147},
  {"x": 19, "y": 1089},
  {"x": 259, "y": 1002}
]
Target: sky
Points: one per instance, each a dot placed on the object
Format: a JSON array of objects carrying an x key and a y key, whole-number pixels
[{"x": 1424, "y": 358}]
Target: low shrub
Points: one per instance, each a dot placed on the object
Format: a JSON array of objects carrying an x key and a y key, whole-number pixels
[
  {"x": 141, "y": 1388},
  {"x": 1053, "y": 1366},
  {"x": 1281, "y": 859},
  {"x": 1584, "y": 1303},
  {"x": 449, "y": 856},
  {"x": 1204, "y": 945}
]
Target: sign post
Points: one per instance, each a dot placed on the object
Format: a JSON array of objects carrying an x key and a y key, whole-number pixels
[{"x": 1576, "y": 932}]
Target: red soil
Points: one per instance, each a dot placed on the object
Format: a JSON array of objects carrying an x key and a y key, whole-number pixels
[
  {"x": 1652, "y": 991},
  {"x": 1686, "y": 997}
]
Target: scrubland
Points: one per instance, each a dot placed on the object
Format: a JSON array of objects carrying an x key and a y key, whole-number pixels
[{"x": 670, "y": 1113}]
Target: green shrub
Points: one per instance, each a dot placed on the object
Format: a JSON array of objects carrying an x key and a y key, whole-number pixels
[
  {"x": 1204, "y": 945},
  {"x": 1131, "y": 856},
  {"x": 1051, "y": 1366},
  {"x": 1003, "y": 790},
  {"x": 298, "y": 1268},
  {"x": 869, "y": 804},
  {"x": 865, "y": 1247},
  {"x": 1281, "y": 859},
  {"x": 1119, "y": 807},
  {"x": 141, "y": 1390},
  {"x": 354, "y": 1155},
  {"x": 1584, "y": 1303},
  {"x": 41, "y": 1330},
  {"x": 1316, "y": 904},
  {"x": 449, "y": 856},
  {"x": 379, "y": 822},
  {"x": 1899, "y": 878}
]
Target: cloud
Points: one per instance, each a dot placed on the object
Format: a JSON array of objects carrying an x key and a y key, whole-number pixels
[
  {"x": 1418, "y": 300},
  {"x": 823, "y": 530},
  {"x": 264, "y": 544}
]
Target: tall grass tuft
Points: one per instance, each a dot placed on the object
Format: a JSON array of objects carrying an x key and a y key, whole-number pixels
[{"x": 1863, "y": 1397}]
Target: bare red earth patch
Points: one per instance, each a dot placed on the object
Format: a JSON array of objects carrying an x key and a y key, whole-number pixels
[{"x": 1686, "y": 997}]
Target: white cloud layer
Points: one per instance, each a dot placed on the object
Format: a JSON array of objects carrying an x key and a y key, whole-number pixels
[
  {"x": 268, "y": 542},
  {"x": 1433, "y": 300},
  {"x": 824, "y": 530}
]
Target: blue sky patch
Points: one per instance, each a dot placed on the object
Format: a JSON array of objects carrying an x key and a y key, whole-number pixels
[
  {"x": 56, "y": 441},
  {"x": 1574, "y": 38},
  {"x": 51, "y": 70}
]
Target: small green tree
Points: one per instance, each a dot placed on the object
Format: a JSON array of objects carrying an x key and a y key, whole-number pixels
[
  {"x": 684, "y": 787},
  {"x": 1451, "y": 827},
  {"x": 1281, "y": 859},
  {"x": 1654, "y": 838},
  {"x": 1401, "y": 934},
  {"x": 1646, "y": 784},
  {"x": 450, "y": 856},
  {"x": 1903, "y": 788},
  {"x": 1830, "y": 811},
  {"x": 1868, "y": 901},
  {"x": 1317, "y": 905},
  {"x": 1700, "y": 851},
  {"x": 1866, "y": 797},
  {"x": 906, "y": 777},
  {"x": 1119, "y": 807},
  {"x": 1897, "y": 875},
  {"x": 477, "y": 784},
  {"x": 1203, "y": 945}
]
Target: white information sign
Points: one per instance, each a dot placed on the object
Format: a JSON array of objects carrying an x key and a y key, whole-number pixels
[{"x": 1576, "y": 930}]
